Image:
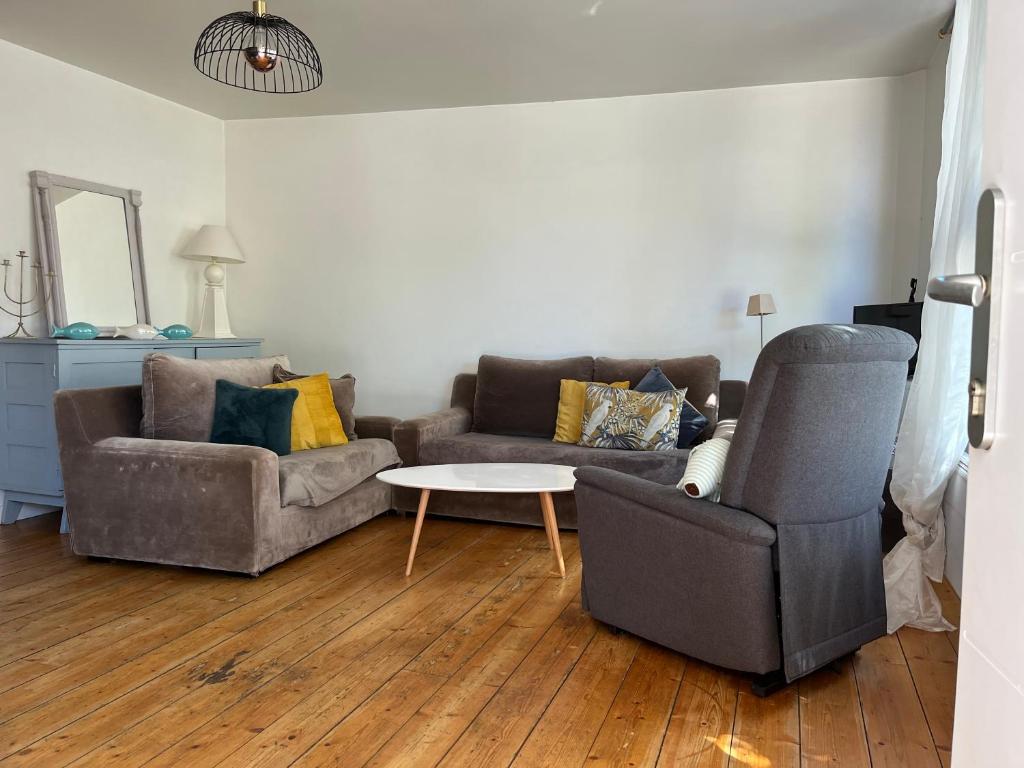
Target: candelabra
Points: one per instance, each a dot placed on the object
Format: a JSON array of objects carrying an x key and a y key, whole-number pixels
[{"x": 41, "y": 289}]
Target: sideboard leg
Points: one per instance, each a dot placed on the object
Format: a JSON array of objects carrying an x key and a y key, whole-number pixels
[
  {"x": 11, "y": 511},
  {"x": 64, "y": 526}
]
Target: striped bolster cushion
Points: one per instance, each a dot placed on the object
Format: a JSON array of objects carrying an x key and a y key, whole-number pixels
[{"x": 702, "y": 477}]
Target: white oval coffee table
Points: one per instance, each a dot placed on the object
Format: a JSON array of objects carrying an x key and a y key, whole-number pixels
[{"x": 542, "y": 479}]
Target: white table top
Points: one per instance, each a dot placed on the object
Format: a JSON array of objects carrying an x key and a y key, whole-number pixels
[{"x": 484, "y": 478}]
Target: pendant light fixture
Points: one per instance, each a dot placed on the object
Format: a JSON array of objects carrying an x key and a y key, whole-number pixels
[{"x": 258, "y": 52}]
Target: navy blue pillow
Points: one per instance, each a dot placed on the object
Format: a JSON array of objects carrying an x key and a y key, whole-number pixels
[
  {"x": 691, "y": 421},
  {"x": 253, "y": 416}
]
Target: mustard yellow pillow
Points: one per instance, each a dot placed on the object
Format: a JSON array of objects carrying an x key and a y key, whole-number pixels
[
  {"x": 571, "y": 397},
  {"x": 303, "y": 433},
  {"x": 315, "y": 420}
]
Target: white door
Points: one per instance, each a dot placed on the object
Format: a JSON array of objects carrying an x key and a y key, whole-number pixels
[{"x": 990, "y": 681}]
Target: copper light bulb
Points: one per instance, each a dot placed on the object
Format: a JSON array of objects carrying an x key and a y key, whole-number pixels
[{"x": 261, "y": 58}]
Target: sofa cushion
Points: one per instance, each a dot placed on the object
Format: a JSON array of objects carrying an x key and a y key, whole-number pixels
[
  {"x": 477, "y": 447},
  {"x": 699, "y": 376},
  {"x": 520, "y": 397},
  {"x": 178, "y": 394},
  {"x": 343, "y": 390},
  {"x": 631, "y": 420},
  {"x": 253, "y": 416},
  {"x": 692, "y": 422},
  {"x": 314, "y": 477}
]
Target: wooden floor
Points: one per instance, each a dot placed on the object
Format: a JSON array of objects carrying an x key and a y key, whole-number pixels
[{"x": 481, "y": 658}]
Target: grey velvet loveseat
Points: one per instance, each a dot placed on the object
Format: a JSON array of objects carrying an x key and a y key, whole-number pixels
[
  {"x": 506, "y": 412},
  {"x": 185, "y": 501}
]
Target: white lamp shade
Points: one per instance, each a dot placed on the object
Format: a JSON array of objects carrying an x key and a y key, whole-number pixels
[
  {"x": 760, "y": 304},
  {"x": 213, "y": 242}
]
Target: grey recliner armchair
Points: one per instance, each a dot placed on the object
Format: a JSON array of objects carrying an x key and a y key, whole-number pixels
[{"x": 784, "y": 575}]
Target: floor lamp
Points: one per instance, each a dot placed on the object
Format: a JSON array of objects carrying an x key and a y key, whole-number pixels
[{"x": 759, "y": 305}]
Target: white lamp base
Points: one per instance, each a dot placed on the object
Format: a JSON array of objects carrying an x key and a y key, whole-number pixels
[{"x": 214, "y": 323}]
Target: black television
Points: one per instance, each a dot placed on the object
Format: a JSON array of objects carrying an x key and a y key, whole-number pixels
[{"x": 905, "y": 316}]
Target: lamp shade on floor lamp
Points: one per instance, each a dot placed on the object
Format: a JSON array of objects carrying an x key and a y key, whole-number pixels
[{"x": 759, "y": 305}]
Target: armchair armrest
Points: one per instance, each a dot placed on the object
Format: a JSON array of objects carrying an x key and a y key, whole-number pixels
[
  {"x": 377, "y": 426},
  {"x": 168, "y": 501},
  {"x": 413, "y": 433},
  {"x": 732, "y": 523}
]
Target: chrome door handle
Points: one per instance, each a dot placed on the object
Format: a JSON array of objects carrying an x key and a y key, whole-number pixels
[
  {"x": 982, "y": 292},
  {"x": 970, "y": 290}
]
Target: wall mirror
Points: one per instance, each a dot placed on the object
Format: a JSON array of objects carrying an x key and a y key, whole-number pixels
[{"x": 90, "y": 237}]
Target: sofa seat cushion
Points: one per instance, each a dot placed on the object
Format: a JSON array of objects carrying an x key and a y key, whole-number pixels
[
  {"x": 477, "y": 447},
  {"x": 314, "y": 477}
]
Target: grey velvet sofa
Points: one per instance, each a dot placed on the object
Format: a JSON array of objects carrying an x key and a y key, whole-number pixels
[
  {"x": 785, "y": 574},
  {"x": 506, "y": 412},
  {"x": 225, "y": 507}
]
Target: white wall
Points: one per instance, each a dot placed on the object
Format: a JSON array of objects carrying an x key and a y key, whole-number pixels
[
  {"x": 400, "y": 246},
  {"x": 70, "y": 122}
]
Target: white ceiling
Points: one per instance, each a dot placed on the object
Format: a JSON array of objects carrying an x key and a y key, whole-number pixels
[{"x": 381, "y": 55}]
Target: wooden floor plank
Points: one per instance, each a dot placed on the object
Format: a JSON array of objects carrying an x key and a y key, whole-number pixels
[
  {"x": 932, "y": 663},
  {"x": 767, "y": 730},
  {"x": 699, "y": 733},
  {"x": 287, "y": 723},
  {"x": 323, "y": 638},
  {"x": 831, "y": 723},
  {"x": 82, "y": 720},
  {"x": 480, "y": 660},
  {"x": 634, "y": 728},
  {"x": 498, "y": 732},
  {"x": 570, "y": 724},
  {"x": 951, "y": 611},
  {"x": 442, "y": 719},
  {"x": 896, "y": 726},
  {"x": 228, "y": 599}
]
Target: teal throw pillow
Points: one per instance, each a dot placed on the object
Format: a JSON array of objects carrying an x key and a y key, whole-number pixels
[{"x": 253, "y": 416}]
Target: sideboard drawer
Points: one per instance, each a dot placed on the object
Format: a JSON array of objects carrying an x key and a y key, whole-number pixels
[{"x": 225, "y": 352}]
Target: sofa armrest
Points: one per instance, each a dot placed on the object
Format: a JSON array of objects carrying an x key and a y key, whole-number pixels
[
  {"x": 169, "y": 501},
  {"x": 377, "y": 426},
  {"x": 731, "y": 523},
  {"x": 413, "y": 433}
]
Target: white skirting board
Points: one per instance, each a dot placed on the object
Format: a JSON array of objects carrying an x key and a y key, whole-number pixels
[{"x": 954, "y": 506}]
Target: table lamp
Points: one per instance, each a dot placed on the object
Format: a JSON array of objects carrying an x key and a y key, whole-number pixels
[
  {"x": 759, "y": 305},
  {"x": 215, "y": 244}
]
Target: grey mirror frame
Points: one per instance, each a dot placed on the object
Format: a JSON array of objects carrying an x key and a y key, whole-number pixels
[{"x": 49, "y": 243}]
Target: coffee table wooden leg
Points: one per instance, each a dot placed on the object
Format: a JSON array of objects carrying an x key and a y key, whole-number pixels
[
  {"x": 547, "y": 506},
  {"x": 420, "y": 513}
]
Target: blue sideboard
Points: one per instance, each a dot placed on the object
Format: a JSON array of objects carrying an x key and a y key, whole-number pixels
[{"x": 31, "y": 370}]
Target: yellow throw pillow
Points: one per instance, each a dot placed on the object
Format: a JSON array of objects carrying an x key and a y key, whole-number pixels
[
  {"x": 571, "y": 397},
  {"x": 318, "y": 408}
]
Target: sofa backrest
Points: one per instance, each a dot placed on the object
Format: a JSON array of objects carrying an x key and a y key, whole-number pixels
[
  {"x": 178, "y": 394},
  {"x": 818, "y": 426},
  {"x": 520, "y": 397}
]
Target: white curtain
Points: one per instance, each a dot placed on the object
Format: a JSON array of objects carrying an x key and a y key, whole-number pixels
[{"x": 933, "y": 434}]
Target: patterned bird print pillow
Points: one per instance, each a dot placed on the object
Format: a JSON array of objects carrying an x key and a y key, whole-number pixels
[{"x": 631, "y": 420}]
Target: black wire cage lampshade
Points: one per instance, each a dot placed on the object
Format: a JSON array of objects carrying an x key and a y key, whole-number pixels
[{"x": 258, "y": 52}]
